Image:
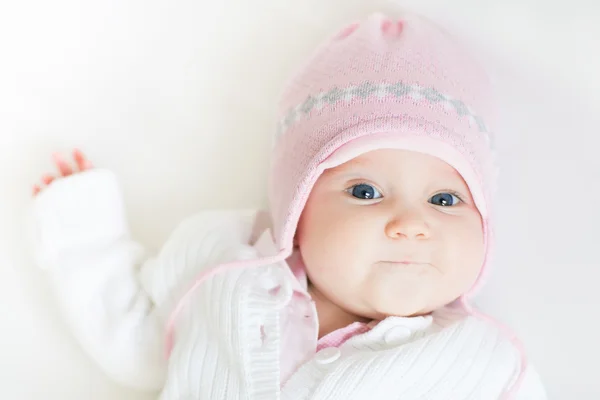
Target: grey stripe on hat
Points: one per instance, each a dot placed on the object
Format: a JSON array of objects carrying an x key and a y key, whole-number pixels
[{"x": 366, "y": 89}]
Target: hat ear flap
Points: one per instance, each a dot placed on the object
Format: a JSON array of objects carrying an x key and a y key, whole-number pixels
[{"x": 262, "y": 222}]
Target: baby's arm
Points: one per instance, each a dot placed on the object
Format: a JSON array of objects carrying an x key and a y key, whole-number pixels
[{"x": 83, "y": 240}]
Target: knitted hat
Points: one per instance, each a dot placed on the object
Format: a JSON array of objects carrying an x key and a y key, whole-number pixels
[{"x": 382, "y": 83}]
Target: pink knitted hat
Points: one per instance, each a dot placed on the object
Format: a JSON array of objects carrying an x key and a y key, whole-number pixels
[{"x": 382, "y": 83}]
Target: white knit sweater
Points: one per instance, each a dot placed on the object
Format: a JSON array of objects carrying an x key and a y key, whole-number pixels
[{"x": 227, "y": 342}]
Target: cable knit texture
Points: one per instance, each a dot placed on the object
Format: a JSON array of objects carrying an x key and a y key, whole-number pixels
[{"x": 228, "y": 342}]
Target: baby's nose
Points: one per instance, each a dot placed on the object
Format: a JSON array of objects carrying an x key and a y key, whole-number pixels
[{"x": 407, "y": 227}]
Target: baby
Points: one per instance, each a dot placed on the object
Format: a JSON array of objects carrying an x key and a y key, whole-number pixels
[{"x": 355, "y": 284}]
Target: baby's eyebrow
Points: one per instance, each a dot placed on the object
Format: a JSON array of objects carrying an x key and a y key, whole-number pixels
[
  {"x": 355, "y": 163},
  {"x": 349, "y": 169}
]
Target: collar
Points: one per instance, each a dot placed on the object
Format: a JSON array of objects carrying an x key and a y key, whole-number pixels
[{"x": 292, "y": 267}]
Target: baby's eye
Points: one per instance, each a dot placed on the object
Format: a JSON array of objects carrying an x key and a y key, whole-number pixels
[
  {"x": 445, "y": 199},
  {"x": 364, "y": 191}
]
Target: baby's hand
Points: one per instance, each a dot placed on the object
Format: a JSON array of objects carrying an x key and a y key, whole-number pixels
[{"x": 81, "y": 162}]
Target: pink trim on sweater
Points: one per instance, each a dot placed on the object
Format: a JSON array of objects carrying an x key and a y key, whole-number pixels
[
  {"x": 511, "y": 393},
  {"x": 207, "y": 274},
  {"x": 340, "y": 336}
]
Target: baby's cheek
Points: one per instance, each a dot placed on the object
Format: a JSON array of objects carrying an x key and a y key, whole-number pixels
[
  {"x": 463, "y": 261},
  {"x": 323, "y": 260},
  {"x": 474, "y": 249}
]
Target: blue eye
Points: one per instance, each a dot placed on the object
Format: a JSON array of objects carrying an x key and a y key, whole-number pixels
[
  {"x": 364, "y": 192},
  {"x": 445, "y": 199}
]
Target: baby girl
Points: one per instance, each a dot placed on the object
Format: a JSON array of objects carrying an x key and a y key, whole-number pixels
[{"x": 356, "y": 284}]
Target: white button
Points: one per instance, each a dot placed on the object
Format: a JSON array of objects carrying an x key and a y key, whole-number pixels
[
  {"x": 328, "y": 355},
  {"x": 397, "y": 335}
]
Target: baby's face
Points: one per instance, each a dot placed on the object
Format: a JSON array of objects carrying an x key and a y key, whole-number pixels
[{"x": 391, "y": 232}]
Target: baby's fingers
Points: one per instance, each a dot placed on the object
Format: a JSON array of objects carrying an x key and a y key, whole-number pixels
[
  {"x": 80, "y": 159},
  {"x": 63, "y": 166},
  {"x": 47, "y": 179}
]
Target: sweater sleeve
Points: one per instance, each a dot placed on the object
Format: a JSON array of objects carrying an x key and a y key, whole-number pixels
[
  {"x": 531, "y": 386},
  {"x": 82, "y": 238}
]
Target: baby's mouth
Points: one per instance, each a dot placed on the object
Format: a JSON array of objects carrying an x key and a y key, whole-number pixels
[{"x": 403, "y": 262}]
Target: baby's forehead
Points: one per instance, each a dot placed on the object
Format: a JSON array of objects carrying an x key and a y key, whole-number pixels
[
  {"x": 397, "y": 161},
  {"x": 398, "y": 166}
]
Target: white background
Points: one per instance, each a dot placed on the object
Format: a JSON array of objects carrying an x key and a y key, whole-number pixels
[{"x": 177, "y": 97}]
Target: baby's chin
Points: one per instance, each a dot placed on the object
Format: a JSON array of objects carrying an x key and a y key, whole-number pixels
[
  {"x": 408, "y": 310},
  {"x": 402, "y": 299}
]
